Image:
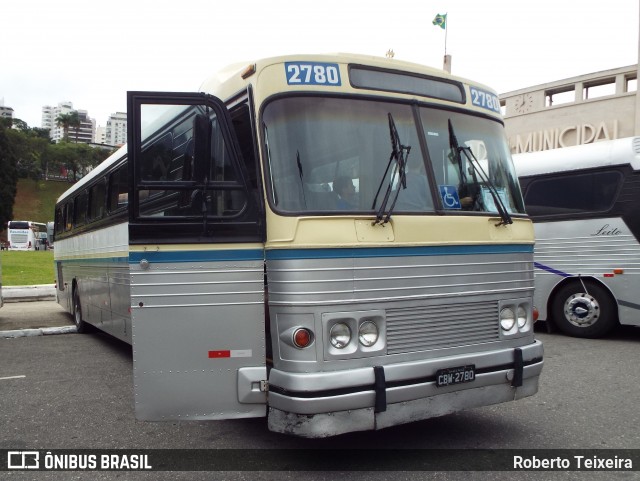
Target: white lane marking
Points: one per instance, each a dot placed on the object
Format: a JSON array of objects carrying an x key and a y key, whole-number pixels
[{"x": 11, "y": 377}]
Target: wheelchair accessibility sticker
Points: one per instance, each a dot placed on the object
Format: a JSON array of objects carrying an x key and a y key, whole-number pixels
[{"x": 450, "y": 198}]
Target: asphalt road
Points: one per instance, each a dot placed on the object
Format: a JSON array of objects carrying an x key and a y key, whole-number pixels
[
  {"x": 33, "y": 315},
  {"x": 75, "y": 391}
]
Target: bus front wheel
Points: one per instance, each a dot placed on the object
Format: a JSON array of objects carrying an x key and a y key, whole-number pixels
[
  {"x": 81, "y": 326},
  {"x": 584, "y": 309}
]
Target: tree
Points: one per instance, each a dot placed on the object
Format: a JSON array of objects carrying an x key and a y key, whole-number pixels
[
  {"x": 20, "y": 125},
  {"x": 75, "y": 159},
  {"x": 64, "y": 121},
  {"x": 74, "y": 121},
  {"x": 41, "y": 133},
  {"x": 8, "y": 173},
  {"x": 27, "y": 158}
]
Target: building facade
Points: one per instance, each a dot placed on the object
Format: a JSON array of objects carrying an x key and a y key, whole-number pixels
[
  {"x": 100, "y": 134},
  {"x": 580, "y": 110},
  {"x": 5, "y": 112},
  {"x": 116, "y": 131},
  {"x": 85, "y": 133}
]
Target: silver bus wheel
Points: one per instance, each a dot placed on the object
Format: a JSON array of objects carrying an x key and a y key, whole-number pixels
[{"x": 581, "y": 312}]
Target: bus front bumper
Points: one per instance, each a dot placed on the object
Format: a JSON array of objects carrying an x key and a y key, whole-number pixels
[{"x": 330, "y": 403}]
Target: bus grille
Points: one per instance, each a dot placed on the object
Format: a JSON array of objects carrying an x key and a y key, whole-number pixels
[{"x": 426, "y": 328}]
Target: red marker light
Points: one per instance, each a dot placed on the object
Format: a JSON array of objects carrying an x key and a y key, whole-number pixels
[
  {"x": 218, "y": 354},
  {"x": 302, "y": 338}
]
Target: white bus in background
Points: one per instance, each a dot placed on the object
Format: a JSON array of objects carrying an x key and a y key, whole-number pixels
[
  {"x": 585, "y": 204},
  {"x": 25, "y": 235}
]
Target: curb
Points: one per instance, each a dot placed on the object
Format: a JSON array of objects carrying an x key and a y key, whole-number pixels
[
  {"x": 45, "y": 331},
  {"x": 42, "y": 292}
]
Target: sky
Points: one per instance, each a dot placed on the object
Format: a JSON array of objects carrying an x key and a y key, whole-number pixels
[{"x": 91, "y": 53}]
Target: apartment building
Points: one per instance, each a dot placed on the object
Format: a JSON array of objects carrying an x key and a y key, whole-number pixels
[
  {"x": 116, "y": 131},
  {"x": 5, "y": 112},
  {"x": 101, "y": 135},
  {"x": 85, "y": 133}
]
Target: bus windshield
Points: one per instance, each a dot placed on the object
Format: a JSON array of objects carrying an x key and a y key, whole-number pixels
[{"x": 325, "y": 156}]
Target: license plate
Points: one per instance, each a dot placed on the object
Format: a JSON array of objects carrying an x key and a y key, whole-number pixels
[{"x": 455, "y": 375}]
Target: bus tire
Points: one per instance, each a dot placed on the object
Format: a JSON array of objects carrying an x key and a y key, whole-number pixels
[
  {"x": 589, "y": 314},
  {"x": 81, "y": 326}
]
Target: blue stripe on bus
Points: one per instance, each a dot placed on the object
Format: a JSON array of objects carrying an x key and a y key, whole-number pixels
[
  {"x": 537, "y": 265},
  {"x": 197, "y": 256},
  {"x": 364, "y": 252},
  {"x": 325, "y": 253}
]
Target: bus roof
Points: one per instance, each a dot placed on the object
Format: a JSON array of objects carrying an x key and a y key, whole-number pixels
[
  {"x": 235, "y": 77},
  {"x": 598, "y": 154}
]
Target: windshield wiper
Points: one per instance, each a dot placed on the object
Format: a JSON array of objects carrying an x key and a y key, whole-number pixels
[
  {"x": 477, "y": 167},
  {"x": 398, "y": 172},
  {"x": 268, "y": 151},
  {"x": 301, "y": 175}
]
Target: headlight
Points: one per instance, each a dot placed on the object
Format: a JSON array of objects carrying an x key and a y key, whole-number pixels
[
  {"x": 368, "y": 333},
  {"x": 340, "y": 335},
  {"x": 507, "y": 319},
  {"x": 522, "y": 317}
]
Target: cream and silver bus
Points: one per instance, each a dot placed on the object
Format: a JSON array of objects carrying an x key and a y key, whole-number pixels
[
  {"x": 585, "y": 205},
  {"x": 336, "y": 242}
]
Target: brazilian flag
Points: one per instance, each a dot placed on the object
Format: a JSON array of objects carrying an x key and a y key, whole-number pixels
[{"x": 440, "y": 21}]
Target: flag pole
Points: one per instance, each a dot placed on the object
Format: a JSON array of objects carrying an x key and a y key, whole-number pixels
[
  {"x": 441, "y": 21},
  {"x": 447, "y": 58},
  {"x": 446, "y": 29}
]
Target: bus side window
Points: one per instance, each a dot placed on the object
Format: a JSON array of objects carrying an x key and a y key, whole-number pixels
[
  {"x": 97, "y": 201},
  {"x": 59, "y": 222},
  {"x": 81, "y": 206},
  {"x": 156, "y": 160},
  {"x": 170, "y": 159},
  {"x": 68, "y": 216},
  {"x": 118, "y": 188},
  {"x": 572, "y": 193}
]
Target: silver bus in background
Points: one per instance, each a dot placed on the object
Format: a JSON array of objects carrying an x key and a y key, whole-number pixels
[{"x": 585, "y": 204}]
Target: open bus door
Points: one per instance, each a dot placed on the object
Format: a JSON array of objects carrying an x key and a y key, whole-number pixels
[{"x": 196, "y": 262}]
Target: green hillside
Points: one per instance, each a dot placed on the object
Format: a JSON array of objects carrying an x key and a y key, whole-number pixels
[{"x": 35, "y": 200}]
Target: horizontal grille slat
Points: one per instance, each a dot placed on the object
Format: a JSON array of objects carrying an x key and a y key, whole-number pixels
[{"x": 432, "y": 327}]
